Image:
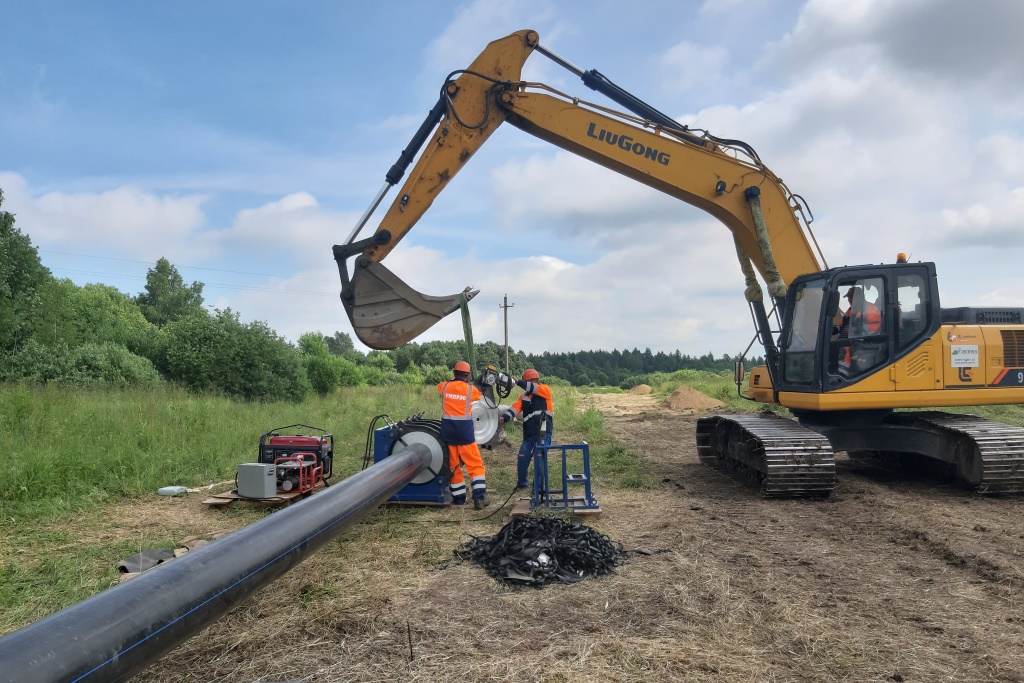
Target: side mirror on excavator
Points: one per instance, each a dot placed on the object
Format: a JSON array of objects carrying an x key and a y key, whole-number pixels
[{"x": 738, "y": 375}]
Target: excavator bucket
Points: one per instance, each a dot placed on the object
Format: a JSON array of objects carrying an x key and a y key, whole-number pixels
[{"x": 385, "y": 312}]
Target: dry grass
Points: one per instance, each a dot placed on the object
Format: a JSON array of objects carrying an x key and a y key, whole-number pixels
[{"x": 887, "y": 580}]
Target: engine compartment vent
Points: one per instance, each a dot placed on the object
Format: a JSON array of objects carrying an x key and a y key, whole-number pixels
[{"x": 1013, "y": 348}]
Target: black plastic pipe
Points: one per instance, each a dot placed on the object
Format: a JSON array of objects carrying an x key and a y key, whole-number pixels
[{"x": 119, "y": 632}]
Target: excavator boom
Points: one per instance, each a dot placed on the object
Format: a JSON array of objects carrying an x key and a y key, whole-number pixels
[{"x": 724, "y": 180}]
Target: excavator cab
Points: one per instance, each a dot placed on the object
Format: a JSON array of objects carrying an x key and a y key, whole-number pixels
[{"x": 843, "y": 325}]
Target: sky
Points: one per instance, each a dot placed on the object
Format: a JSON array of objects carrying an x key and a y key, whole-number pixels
[{"x": 241, "y": 140}]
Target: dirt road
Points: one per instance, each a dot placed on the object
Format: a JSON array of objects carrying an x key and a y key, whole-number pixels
[{"x": 886, "y": 580}]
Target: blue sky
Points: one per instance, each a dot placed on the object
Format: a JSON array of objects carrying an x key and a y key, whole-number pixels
[{"x": 241, "y": 140}]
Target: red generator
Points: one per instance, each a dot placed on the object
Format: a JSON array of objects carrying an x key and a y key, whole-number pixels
[{"x": 301, "y": 461}]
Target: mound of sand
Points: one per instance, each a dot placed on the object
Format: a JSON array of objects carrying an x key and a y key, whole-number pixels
[
  {"x": 640, "y": 389},
  {"x": 685, "y": 398}
]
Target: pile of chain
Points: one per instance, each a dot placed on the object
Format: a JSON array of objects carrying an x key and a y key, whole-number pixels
[{"x": 534, "y": 551}]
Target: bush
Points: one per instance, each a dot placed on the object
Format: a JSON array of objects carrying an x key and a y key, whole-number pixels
[
  {"x": 380, "y": 360},
  {"x": 349, "y": 374},
  {"x": 412, "y": 376},
  {"x": 376, "y": 377},
  {"x": 112, "y": 365},
  {"x": 34, "y": 363},
  {"x": 435, "y": 374},
  {"x": 324, "y": 374},
  {"x": 635, "y": 381},
  {"x": 88, "y": 365},
  {"x": 246, "y": 361}
]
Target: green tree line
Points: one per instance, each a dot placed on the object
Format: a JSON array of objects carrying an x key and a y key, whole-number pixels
[{"x": 54, "y": 331}]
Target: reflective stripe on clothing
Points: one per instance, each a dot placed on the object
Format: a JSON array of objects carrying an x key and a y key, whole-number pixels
[
  {"x": 467, "y": 456},
  {"x": 457, "y": 399},
  {"x": 536, "y": 406}
]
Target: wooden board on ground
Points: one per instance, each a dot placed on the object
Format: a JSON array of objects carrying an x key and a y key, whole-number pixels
[
  {"x": 280, "y": 500},
  {"x": 522, "y": 508}
]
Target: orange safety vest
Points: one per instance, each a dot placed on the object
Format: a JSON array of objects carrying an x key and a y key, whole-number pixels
[
  {"x": 457, "y": 411},
  {"x": 870, "y": 319},
  {"x": 537, "y": 407}
]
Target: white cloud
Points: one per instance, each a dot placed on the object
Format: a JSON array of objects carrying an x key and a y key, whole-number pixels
[
  {"x": 294, "y": 228},
  {"x": 124, "y": 220},
  {"x": 996, "y": 221},
  {"x": 487, "y": 20},
  {"x": 571, "y": 195},
  {"x": 947, "y": 43},
  {"x": 695, "y": 67}
]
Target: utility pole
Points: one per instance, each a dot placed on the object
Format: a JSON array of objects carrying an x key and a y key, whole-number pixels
[{"x": 506, "y": 306}]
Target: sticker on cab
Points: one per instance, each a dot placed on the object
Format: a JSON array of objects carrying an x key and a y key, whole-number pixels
[{"x": 963, "y": 355}]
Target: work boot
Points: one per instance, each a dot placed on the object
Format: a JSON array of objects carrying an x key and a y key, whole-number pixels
[{"x": 480, "y": 503}]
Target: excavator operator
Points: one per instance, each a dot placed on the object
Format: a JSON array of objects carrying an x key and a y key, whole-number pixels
[
  {"x": 457, "y": 396},
  {"x": 538, "y": 411},
  {"x": 862, "y": 319}
]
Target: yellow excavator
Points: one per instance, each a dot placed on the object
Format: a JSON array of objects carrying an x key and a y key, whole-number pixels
[{"x": 844, "y": 346}]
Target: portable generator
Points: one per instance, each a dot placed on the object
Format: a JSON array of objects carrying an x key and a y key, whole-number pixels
[
  {"x": 301, "y": 462},
  {"x": 429, "y": 487}
]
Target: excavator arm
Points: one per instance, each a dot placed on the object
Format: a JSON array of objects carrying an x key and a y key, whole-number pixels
[{"x": 724, "y": 178}]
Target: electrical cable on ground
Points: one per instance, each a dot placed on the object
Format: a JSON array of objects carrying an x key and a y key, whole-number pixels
[{"x": 460, "y": 521}]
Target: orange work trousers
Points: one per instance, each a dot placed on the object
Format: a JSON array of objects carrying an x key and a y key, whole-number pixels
[{"x": 469, "y": 457}]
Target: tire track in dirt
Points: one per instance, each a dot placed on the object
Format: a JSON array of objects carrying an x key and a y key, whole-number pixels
[{"x": 926, "y": 578}]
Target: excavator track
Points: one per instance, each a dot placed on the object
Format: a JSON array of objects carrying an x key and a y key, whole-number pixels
[
  {"x": 988, "y": 455},
  {"x": 785, "y": 458}
]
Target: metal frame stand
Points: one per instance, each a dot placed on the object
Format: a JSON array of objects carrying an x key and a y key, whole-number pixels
[{"x": 544, "y": 497}]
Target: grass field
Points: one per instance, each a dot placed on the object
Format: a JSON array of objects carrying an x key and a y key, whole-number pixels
[
  {"x": 79, "y": 455},
  {"x": 84, "y": 456}
]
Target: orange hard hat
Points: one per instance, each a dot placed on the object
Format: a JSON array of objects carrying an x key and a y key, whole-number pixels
[
  {"x": 531, "y": 374},
  {"x": 462, "y": 366}
]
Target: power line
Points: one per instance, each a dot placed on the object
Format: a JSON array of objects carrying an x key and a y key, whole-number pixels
[{"x": 150, "y": 263}]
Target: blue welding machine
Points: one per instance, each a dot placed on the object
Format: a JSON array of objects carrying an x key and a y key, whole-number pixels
[{"x": 429, "y": 487}]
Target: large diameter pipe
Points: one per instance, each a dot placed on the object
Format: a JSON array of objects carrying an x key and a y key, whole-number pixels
[{"x": 117, "y": 633}]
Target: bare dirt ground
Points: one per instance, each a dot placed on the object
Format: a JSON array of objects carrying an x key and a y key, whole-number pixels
[{"x": 889, "y": 579}]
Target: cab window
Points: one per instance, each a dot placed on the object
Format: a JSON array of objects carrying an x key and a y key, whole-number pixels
[
  {"x": 860, "y": 333},
  {"x": 912, "y": 311},
  {"x": 801, "y": 342}
]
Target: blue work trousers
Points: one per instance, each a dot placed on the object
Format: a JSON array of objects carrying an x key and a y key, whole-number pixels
[{"x": 526, "y": 455}]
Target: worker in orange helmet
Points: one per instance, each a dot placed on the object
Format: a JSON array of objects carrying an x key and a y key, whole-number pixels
[
  {"x": 862, "y": 319},
  {"x": 537, "y": 408},
  {"x": 457, "y": 396}
]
